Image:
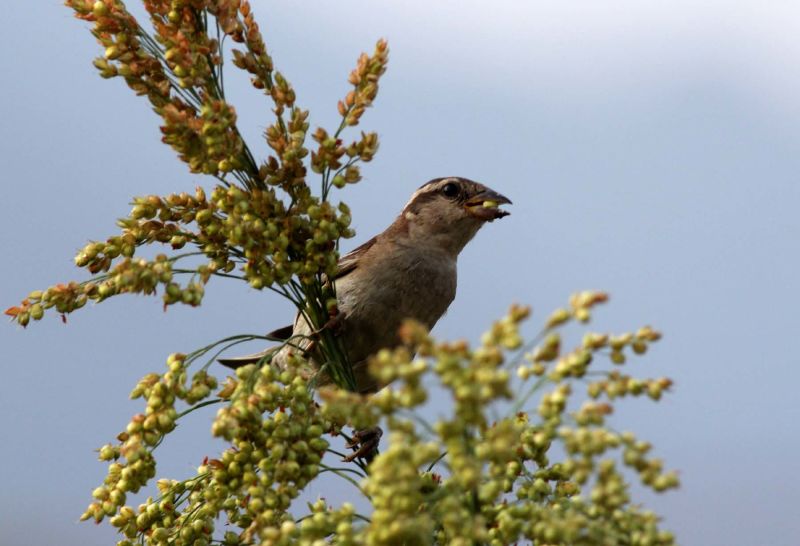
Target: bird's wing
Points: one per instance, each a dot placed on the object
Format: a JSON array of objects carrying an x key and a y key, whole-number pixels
[
  {"x": 349, "y": 261},
  {"x": 347, "y": 264}
]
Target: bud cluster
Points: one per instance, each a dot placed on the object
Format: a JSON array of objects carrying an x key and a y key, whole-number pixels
[
  {"x": 489, "y": 460},
  {"x": 320, "y": 526},
  {"x": 617, "y": 385},
  {"x": 395, "y": 487},
  {"x": 125, "y": 55},
  {"x": 342, "y": 407},
  {"x": 133, "y": 463},
  {"x": 327, "y": 160},
  {"x": 255, "y": 60},
  {"x": 405, "y": 373},
  {"x": 276, "y": 430},
  {"x": 580, "y": 308},
  {"x": 287, "y": 139},
  {"x": 189, "y": 52},
  {"x": 250, "y": 227},
  {"x": 130, "y": 275},
  {"x": 364, "y": 79},
  {"x": 651, "y": 470},
  {"x": 179, "y": 69},
  {"x": 576, "y": 362},
  {"x": 207, "y": 140},
  {"x": 477, "y": 378}
]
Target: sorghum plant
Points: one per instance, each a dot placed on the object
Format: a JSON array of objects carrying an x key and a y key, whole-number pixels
[{"x": 545, "y": 468}]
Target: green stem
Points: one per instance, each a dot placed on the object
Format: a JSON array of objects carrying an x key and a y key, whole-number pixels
[
  {"x": 346, "y": 477},
  {"x": 344, "y": 469},
  {"x": 222, "y": 350},
  {"x": 436, "y": 461},
  {"x": 198, "y": 406},
  {"x": 522, "y": 401},
  {"x": 191, "y": 357},
  {"x": 519, "y": 355},
  {"x": 422, "y": 422}
]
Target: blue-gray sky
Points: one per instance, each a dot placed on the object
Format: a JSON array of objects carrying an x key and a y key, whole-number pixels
[{"x": 652, "y": 149}]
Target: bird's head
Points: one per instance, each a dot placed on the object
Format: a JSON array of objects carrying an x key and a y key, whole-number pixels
[{"x": 448, "y": 212}]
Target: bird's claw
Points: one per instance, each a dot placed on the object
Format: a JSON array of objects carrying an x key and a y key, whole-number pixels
[
  {"x": 364, "y": 444},
  {"x": 334, "y": 324}
]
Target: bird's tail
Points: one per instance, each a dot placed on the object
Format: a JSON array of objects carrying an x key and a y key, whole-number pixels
[
  {"x": 281, "y": 334},
  {"x": 239, "y": 361}
]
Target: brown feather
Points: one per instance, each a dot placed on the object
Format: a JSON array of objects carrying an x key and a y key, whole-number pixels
[{"x": 349, "y": 261}]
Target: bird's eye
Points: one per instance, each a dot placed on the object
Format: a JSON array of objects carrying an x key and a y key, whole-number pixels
[{"x": 450, "y": 190}]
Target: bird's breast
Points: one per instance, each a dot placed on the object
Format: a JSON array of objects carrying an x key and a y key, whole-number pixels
[{"x": 378, "y": 297}]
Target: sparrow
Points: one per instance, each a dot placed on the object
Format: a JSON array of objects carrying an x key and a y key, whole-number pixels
[{"x": 406, "y": 272}]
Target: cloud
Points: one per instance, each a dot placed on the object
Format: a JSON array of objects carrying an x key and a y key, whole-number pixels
[{"x": 603, "y": 46}]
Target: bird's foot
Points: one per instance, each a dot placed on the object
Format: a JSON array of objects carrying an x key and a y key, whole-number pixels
[
  {"x": 334, "y": 324},
  {"x": 364, "y": 444}
]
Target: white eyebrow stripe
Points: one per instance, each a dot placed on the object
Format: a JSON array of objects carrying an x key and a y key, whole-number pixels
[
  {"x": 434, "y": 185},
  {"x": 427, "y": 188}
]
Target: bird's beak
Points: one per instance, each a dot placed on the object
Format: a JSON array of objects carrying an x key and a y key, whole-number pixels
[{"x": 485, "y": 205}]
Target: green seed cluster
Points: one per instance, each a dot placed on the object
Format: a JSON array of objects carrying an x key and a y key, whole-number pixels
[
  {"x": 616, "y": 385},
  {"x": 397, "y": 366},
  {"x": 573, "y": 521},
  {"x": 501, "y": 485},
  {"x": 342, "y": 407},
  {"x": 133, "y": 464},
  {"x": 128, "y": 276},
  {"x": 477, "y": 378},
  {"x": 276, "y": 432},
  {"x": 323, "y": 525},
  {"x": 331, "y": 152},
  {"x": 207, "y": 140},
  {"x": 395, "y": 486},
  {"x": 286, "y": 168},
  {"x": 501, "y": 482},
  {"x": 247, "y": 228}
]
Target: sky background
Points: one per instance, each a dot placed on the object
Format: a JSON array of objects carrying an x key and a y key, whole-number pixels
[{"x": 651, "y": 149}]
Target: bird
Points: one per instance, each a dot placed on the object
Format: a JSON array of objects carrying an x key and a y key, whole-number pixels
[{"x": 406, "y": 272}]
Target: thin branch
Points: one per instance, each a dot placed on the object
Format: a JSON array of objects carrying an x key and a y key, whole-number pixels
[
  {"x": 198, "y": 406},
  {"x": 346, "y": 477},
  {"x": 518, "y": 405},
  {"x": 436, "y": 461}
]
